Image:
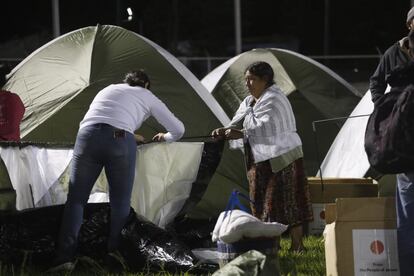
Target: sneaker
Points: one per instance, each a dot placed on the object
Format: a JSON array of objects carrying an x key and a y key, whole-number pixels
[{"x": 63, "y": 267}]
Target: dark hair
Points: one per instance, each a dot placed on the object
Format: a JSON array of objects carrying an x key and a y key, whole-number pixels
[
  {"x": 263, "y": 70},
  {"x": 4, "y": 70},
  {"x": 137, "y": 78}
]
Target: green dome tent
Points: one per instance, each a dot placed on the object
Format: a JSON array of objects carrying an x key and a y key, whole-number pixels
[
  {"x": 58, "y": 81},
  {"x": 315, "y": 92},
  {"x": 347, "y": 158}
]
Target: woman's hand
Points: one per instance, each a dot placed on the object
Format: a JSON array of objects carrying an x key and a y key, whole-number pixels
[
  {"x": 159, "y": 137},
  {"x": 218, "y": 133},
  {"x": 233, "y": 133},
  {"x": 139, "y": 138}
]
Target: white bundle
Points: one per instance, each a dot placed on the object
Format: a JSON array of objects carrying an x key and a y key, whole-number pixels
[{"x": 237, "y": 224}]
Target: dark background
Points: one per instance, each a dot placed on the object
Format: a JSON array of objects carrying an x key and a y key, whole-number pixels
[{"x": 205, "y": 28}]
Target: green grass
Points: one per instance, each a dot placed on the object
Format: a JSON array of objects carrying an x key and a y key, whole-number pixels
[{"x": 310, "y": 262}]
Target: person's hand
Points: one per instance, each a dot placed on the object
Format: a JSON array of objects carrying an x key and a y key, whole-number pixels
[
  {"x": 159, "y": 137},
  {"x": 139, "y": 138},
  {"x": 218, "y": 133},
  {"x": 233, "y": 133}
]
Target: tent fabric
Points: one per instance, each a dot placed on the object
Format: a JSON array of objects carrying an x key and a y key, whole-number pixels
[
  {"x": 229, "y": 175},
  {"x": 314, "y": 91},
  {"x": 346, "y": 157},
  {"x": 58, "y": 192},
  {"x": 228, "y": 84},
  {"x": 158, "y": 194},
  {"x": 194, "y": 82},
  {"x": 33, "y": 170},
  {"x": 58, "y": 81}
]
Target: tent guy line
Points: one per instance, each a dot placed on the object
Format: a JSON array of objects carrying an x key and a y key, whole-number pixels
[
  {"x": 316, "y": 138},
  {"x": 336, "y": 119},
  {"x": 182, "y": 138}
]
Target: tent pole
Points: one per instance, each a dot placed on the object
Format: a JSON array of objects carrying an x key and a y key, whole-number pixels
[
  {"x": 237, "y": 25},
  {"x": 317, "y": 153},
  {"x": 326, "y": 31},
  {"x": 55, "y": 18}
]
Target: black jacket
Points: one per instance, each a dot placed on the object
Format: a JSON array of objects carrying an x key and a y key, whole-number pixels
[
  {"x": 389, "y": 135},
  {"x": 394, "y": 57}
]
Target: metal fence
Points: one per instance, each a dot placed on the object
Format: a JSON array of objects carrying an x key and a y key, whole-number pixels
[
  {"x": 351, "y": 67},
  {"x": 356, "y": 69}
]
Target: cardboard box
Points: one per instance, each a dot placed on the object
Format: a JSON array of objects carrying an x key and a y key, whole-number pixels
[
  {"x": 361, "y": 237},
  {"x": 328, "y": 189},
  {"x": 317, "y": 226},
  {"x": 387, "y": 185}
]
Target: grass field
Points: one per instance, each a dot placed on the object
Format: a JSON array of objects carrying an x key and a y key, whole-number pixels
[{"x": 309, "y": 262}]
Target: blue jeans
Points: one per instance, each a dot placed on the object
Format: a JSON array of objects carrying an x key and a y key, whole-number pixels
[
  {"x": 98, "y": 146},
  {"x": 405, "y": 222}
]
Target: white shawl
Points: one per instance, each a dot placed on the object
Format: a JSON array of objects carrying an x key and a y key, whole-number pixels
[{"x": 269, "y": 125}]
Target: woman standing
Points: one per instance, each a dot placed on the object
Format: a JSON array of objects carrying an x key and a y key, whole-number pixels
[{"x": 264, "y": 126}]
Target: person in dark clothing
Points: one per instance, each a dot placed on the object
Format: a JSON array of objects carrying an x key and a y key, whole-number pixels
[
  {"x": 399, "y": 55},
  {"x": 11, "y": 110}
]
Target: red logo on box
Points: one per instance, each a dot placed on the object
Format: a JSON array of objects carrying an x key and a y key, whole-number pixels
[
  {"x": 377, "y": 247},
  {"x": 322, "y": 214}
]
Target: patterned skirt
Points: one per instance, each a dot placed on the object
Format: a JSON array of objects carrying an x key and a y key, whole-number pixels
[{"x": 283, "y": 196}]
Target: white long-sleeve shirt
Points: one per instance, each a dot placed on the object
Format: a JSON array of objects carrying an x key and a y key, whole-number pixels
[{"x": 127, "y": 107}]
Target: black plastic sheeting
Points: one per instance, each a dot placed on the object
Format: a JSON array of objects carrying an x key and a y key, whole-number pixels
[
  {"x": 210, "y": 159},
  {"x": 194, "y": 233},
  {"x": 153, "y": 247},
  {"x": 28, "y": 238}
]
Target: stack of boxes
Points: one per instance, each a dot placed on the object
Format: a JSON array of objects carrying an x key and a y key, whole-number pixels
[
  {"x": 357, "y": 218},
  {"x": 328, "y": 190},
  {"x": 361, "y": 237}
]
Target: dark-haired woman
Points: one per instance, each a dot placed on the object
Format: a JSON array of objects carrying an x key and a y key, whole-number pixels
[
  {"x": 106, "y": 140},
  {"x": 264, "y": 126}
]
